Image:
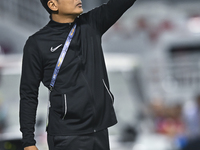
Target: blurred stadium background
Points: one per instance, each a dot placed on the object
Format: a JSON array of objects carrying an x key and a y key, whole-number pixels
[{"x": 153, "y": 61}]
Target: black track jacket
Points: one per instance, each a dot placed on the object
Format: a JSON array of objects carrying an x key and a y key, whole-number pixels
[{"x": 81, "y": 101}]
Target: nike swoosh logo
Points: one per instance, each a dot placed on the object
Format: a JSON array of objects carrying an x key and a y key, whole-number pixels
[{"x": 54, "y": 49}]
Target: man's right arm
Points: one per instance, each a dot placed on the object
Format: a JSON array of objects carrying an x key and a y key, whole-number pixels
[
  {"x": 106, "y": 15},
  {"x": 30, "y": 81}
]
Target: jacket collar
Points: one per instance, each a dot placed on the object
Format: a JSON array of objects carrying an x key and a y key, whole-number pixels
[{"x": 60, "y": 26}]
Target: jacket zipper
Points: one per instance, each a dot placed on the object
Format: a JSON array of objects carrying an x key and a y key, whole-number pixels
[
  {"x": 48, "y": 106},
  {"x": 108, "y": 91},
  {"x": 92, "y": 96},
  {"x": 92, "y": 101},
  {"x": 65, "y": 100}
]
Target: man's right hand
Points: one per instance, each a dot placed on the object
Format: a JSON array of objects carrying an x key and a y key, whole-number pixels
[{"x": 31, "y": 148}]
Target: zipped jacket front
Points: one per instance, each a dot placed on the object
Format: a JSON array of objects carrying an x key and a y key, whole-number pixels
[{"x": 81, "y": 101}]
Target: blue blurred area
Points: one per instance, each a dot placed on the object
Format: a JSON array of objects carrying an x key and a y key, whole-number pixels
[{"x": 152, "y": 56}]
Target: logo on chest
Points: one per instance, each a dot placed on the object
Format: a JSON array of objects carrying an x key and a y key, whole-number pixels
[{"x": 54, "y": 49}]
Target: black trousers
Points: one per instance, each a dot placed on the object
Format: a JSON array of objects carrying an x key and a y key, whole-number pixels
[{"x": 94, "y": 141}]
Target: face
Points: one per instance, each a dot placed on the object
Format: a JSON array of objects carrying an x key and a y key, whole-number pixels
[{"x": 69, "y": 7}]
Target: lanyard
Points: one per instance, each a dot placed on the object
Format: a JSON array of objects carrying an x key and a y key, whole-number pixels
[{"x": 61, "y": 57}]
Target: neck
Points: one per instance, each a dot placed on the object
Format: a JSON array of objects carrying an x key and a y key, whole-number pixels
[{"x": 63, "y": 18}]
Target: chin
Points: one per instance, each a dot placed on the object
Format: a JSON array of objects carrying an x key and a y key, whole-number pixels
[
  {"x": 80, "y": 11},
  {"x": 77, "y": 12}
]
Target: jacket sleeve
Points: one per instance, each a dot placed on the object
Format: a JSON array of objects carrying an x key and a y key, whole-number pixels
[
  {"x": 30, "y": 81},
  {"x": 106, "y": 15}
]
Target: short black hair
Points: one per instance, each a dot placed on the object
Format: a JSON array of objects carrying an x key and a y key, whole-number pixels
[{"x": 44, "y": 3}]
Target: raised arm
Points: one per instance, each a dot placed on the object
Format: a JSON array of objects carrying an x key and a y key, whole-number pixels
[
  {"x": 30, "y": 81},
  {"x": 106, "y": 15}
]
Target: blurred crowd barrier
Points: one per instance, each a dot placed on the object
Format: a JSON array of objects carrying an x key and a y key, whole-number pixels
[{"x": 29, "y": 13}]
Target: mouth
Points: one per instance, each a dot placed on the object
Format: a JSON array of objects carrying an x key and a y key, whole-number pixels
[{"x": 79, "y": 4}]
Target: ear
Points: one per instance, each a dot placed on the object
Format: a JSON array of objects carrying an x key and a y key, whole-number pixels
[{"x": 52, "y": 4}]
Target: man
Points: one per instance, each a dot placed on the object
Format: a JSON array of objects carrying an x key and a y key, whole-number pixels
[{"x": 81, "y": 104}]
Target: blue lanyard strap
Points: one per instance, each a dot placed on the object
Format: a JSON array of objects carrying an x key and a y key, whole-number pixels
[{"x": 61, "y": 57}]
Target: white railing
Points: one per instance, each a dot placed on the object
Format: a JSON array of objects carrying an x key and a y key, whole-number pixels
[{"x": 173, "y": 78}]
